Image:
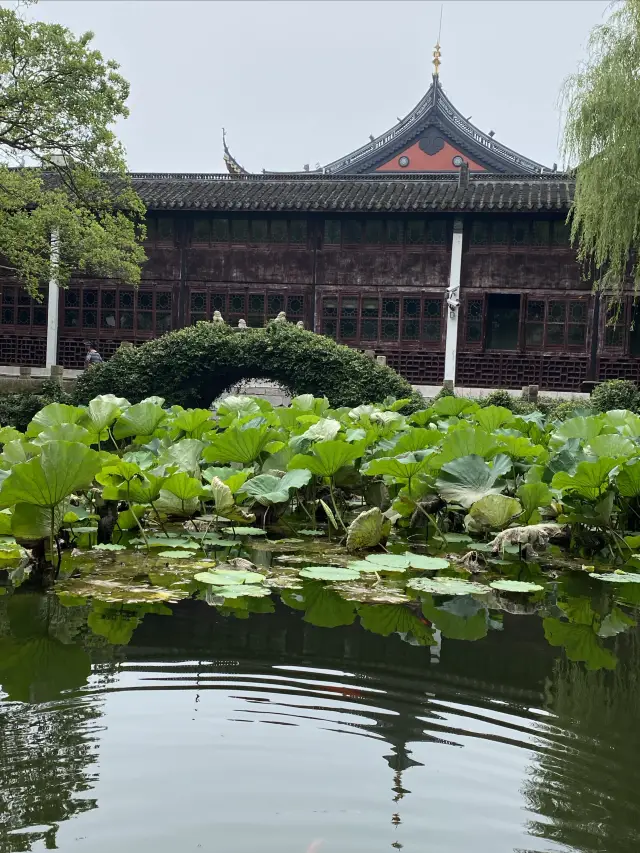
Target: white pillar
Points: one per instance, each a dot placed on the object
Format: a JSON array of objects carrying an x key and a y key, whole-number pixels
[
  {"x": 54, "y": 297},
  {"x": 453, "y": 303}
]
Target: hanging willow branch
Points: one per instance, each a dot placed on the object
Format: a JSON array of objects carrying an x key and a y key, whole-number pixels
[{"x": 602, "y": 141}]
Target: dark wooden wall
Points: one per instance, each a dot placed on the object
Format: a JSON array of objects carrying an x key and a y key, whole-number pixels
[{"x": 371, "y": 281}]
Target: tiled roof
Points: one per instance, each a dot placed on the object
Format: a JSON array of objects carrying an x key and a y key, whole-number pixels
[{"x": 347, "y": 193}]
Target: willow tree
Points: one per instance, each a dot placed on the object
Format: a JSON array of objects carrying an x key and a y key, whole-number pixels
[
  {"x": 62, "y": 169},
  {"x": 602, "y": 142}
]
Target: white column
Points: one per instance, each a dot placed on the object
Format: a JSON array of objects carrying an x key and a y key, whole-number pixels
[
  {"x": 453, "y": 303},
  {"x": 54, "y": 299}
]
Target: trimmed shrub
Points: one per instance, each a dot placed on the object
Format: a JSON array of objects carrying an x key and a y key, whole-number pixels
[
  {"x": 570, "y": 409},
  {"x": 498, "y": 398},
  {"x": 615, "y": 394},
  {"x": 191, "y": 367},
  {"x": 18, "y": 409}
]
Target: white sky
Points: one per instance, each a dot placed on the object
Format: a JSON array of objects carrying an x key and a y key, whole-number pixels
[{"x": 307, "y": 82}]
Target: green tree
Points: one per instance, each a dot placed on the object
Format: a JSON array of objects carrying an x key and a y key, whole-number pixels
[
  {"x": 602, "y": 139},
  {"x": 61, "y": 166}
]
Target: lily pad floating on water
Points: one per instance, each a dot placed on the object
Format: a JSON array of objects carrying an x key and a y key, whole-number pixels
[
  {"x": 389, "y": 562},
  {"x": 374, "y": 594},
  {"x": 446, "y": 586},
  {"x": 177, "y": 554},
  {"x": 311, "y": 532},
  {"x": 617, "y": 577},
  {"x": 163, "y": 542},
  {"x": 231, "y": 577},
  {"x": 244, "y": 531},
  {"x": 242, "y": 591},
  {"x": 422, "y": 561},
  {"x": 515, "y": 586},
  {"x": 329, "y": 573}
]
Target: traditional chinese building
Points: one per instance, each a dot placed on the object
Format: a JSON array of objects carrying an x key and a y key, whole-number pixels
[{"x": 433, "y": 244}]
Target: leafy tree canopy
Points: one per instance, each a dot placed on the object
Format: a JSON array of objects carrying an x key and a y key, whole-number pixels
[
  {"x": 61, "y": 167},
  {"x": 602, "y": 138}
]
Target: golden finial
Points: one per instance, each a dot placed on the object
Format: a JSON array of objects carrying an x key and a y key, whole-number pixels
[{"x": 436, "y": 59}]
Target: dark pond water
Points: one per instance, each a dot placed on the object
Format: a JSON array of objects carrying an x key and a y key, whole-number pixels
[{"x": 155, "y": 728}]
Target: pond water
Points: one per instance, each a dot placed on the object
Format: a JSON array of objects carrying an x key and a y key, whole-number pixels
[{"x": 177, "y": 727}]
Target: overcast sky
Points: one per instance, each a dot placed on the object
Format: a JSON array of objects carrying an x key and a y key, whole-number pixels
[{"x": 307, "y": 82}]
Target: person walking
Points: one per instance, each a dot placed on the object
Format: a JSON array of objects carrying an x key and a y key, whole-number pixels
[{"x": 92, "y": 356}]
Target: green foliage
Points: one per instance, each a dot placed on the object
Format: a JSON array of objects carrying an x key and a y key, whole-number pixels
[
  {"x": 191, "y": 367},
  {"x": 59, "y": 99},
  {"x": 615, "y": 394},
  {"x": 601, "y": 138},
  {"x": 17, "y": 410}
]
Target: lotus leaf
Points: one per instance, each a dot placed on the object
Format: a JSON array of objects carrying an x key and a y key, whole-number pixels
[
  {"x": 425, "y": 563},
  {"x": 245, "y": 531},
  {"x": 460, "y": 618},
  {"x": 326, "y": 429},
  {"x": 581, "y": 428},
  {"x": 617, "y": 577},
  {"x": 387, "y": 619},
  {"x": 367, "y": 529},
  {"x": 109, "y": 546},
  {"x": 237, "y": 445},
  {"x": 389, "y": 562},
  {"x": 628, "y": 479},
  {"x": 453, "y": 406},
  {"x": 493, "y": 512},
  {"x": 579, "y": 642},
  {"x": 462, "y": 442},
  {"x": 417, "y": 439},
  {"x": 329, "y": 573},
  {"x": 193, "y": 422},
  {"x": 140, "y": 419},
  {"x": 492, "y": 418},
  {"x": 177, "y": 554},
  {"x": 66, "y": 432},
  {"x": 446, "y": 586},
  {"x": 229, "y": 577},
  {"x": 532, "y": 496},
  {"x": 400, "y": 468},
  {"x": 616, "y": 622},
  {"x": 612, "y": 445},
  {"x": 53, "y": 415},
  {"x": 328, "y": 457},
  {"x": 515, "y": 586},
  {"x": 468, "y": 479},
  {"x": 311, "y": 532},
  {"x": 589, "y": 480},
  {"x": 323, "y": 606},
  {"x": 242, "y": 590},
  {"x": 183, "y": 455},
  {"x": 101, "y": 414}
]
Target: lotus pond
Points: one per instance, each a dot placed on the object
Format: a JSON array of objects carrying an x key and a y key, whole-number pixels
[{"x": 308, "y": 629}]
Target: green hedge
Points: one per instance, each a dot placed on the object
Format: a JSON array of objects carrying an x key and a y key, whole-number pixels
[
  {"x": 191, "y": 367},
  {"x": 17, "y": 409}
]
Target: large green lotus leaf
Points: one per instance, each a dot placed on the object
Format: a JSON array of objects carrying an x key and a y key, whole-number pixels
[
  {"x": 461, "y": 618},
  {"x": 145, "y": 489},
  {"x": 193, "y": 421},
  {"x": 400, "y": 468},
  {"x": 183, "y": 455},
  {"x": 533, "y": 496},
  {"x": 178, "y": 554},
  {"x": 328, "y": 457},
  {"x": 446, "y": 586},
  {"x": 326, "y": 429},
  {"x": 617, "y": 577},
  {"x": 520, "y": 447},
  {"x": 417, "y": 439},
  {"x": 244, "y": 531},
  {"x": 184, "y": 487},
  {"x": 579, "y": 642},
  {"x": 140, "y": 419},
  {"x": 585, "y": 429},
  {"x": 101, "y": 413},
  {"x": 237, "y": 445},
  {"x": 367, "y": 529},
  {"x": 10, "y": 550},
  {"x": 222, "y": 497},
  {"x": 31, "y": 522},
  {"x": 492, "y": 418},
  {"x": 171, "y": 504},
  {"x": 628, "y": 479},
  {"x": 506, "y": 585},
  {"x": 55, "y": 414},
  {"x": 493, "y": 512},
  {"x": 296, "y": 478},
  {"x": 18, "y": 451},
  {"x": 589, "y": 480},
  {"x": 266, "y": 489},
  {"x": 449, "y": 407},
  {"x": 66, "y": 432},
  {"x": 230, "y": 577},
  {"x": 425, "y": 563},
  {"x": 121, "y": 402},
  {"x": 387, "y": 619},
  {"x": 8, "y": 433},
  {"x": 329, "y": 573},
  {"x": 465, "y": 441},
  {"x": 389, "y": 562},
  {"x": 612, "y": 445},
  {"x": 468, "y": 479},
  {"x": 242, "y": 590},
  {"x": 62, "y": 468},
  {"x": 127, "y": 518}
]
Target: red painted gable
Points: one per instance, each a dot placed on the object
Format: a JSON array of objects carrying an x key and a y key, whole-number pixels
[{"x": 421, "y": 162}]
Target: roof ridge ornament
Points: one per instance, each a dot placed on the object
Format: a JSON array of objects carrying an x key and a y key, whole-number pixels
[
  {"x": 233, "y": 167},
  {"x": 436, "y": 59}
]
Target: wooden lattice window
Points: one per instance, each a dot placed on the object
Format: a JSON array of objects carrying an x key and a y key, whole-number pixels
[
  {"x": 387, "y": 319},
  {"x": 332, "y": 232},
  {"x": 20, "y": 310},
  {"x": 556, "y": 324},
  {"x": 614, "y": 326},
  {"x": 540, "y": 232},
  {"x": 561, "y": 234},
  {"x": 474, "y": 321},
  {"x": 100, "y": 310},
  {"x": 256, "y": 307}
]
